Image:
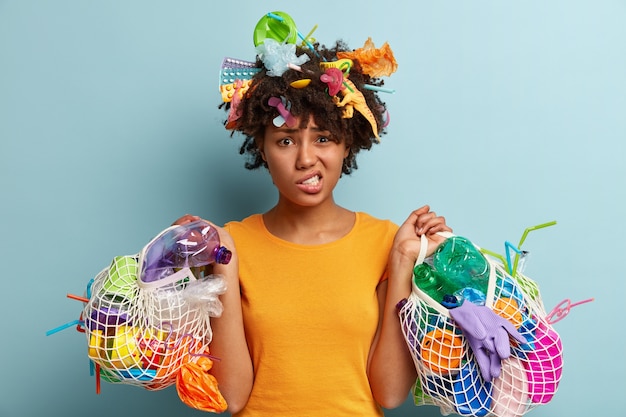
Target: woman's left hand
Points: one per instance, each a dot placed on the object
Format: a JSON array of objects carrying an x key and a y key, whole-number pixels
[
  {"x": 391, "y": 369},
  {"x": 420, "y": 222}
]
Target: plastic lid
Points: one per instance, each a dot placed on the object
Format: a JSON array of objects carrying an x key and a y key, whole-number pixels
[{"x": 223, "y": 255}]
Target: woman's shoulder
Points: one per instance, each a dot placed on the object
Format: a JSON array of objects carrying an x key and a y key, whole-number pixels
[
  {"x": 367, "y": 221},
  {"x": 253, "y": 221},
  {"x": 368, "y": 218}
]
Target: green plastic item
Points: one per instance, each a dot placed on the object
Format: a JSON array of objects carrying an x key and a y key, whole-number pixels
[
  {"x": 431, "y": 282},
  {"x": 109, "y": 376},
  {"x": 419, "y": 396},
  {"x": 121, "y": 283},
  {"x": 462, "y": 264},
  {"x": 456, "y": 266},
  {"x": 275, "y": 25}
]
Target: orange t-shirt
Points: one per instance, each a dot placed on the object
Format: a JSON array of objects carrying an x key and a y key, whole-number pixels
[{"x": 310, "y": 314}]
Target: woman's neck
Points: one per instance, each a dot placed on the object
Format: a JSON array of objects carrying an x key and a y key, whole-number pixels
[{"x": 309, "y": 225}]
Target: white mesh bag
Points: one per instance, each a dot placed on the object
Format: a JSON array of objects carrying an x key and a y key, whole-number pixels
[
  {"x": 449, "y": 375},
  {"x": 149, "y": 314}
]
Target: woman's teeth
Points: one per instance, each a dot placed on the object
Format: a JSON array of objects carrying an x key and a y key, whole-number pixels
[{"x": 312, "y": 181}]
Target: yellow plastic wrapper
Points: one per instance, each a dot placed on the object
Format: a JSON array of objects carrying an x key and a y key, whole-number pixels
[{"x": 198, "y": 388}]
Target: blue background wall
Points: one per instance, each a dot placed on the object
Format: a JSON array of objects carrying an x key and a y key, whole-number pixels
[{"x": 507, "y": 114}]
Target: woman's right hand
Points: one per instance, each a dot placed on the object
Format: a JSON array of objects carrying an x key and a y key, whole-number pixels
[
  {"x": 234, "y": 369},
  {"x": 187, "y": 218},
  {"x": 225, "y": 240}
]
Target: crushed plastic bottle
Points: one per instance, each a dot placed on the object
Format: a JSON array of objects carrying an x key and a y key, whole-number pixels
[
  {"x": 191, "y": 245},
  {"x": 459, "y": 271}
]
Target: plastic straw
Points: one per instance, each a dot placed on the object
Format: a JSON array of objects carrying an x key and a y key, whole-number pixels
[
  {"x": 524, "y": 235},
  {"x": 63, "y": 327}
]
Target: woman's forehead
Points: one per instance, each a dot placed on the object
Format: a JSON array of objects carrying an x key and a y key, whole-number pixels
[{"x": 302, "y": 123}]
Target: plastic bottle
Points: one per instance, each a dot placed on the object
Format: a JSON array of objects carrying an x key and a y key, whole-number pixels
[
  {"x": 462, "y": 265},
  {"x": 191, "y": 245},
  {"x": 432, "y": 282}
]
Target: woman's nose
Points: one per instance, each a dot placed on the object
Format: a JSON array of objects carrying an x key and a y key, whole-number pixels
[{"x": 306, "y": 156}]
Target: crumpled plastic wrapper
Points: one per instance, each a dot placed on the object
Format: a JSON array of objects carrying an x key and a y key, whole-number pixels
[
  {"x": 375, "y": 62},
  {"x": 276, "y": 56},
  {"x": 198, "y": 389},
  {"x": 198, "y": 300}
]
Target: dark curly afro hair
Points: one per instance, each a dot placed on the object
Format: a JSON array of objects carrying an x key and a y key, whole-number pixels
[{"x": 313, "y": 100}]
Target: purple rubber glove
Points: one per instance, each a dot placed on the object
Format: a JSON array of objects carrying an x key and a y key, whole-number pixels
[{"x": 487, "y": 334}]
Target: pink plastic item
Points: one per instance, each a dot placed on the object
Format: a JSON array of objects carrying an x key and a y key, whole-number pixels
[
  {"x": 510, "y": 390},
  {"x": 544, "y": 365},
  {"x": 284, "y": 116},
  {"x": 333, "y": 77}
]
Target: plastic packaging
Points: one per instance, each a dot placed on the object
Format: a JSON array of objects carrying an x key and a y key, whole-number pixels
[
  {"x": 510, "y": 396},
  {"x": 458, "y": 270},
  {"x": 544, "y": 365},
  {"x": 121, "y": 283},
  {"x": 472, "y": 395},
  {"x": 431, "y": 282},
  {"x": 198, "y": 389},
  {"x": 191, "y": 245},
  {"x": 442, "y": 351},
  {"x": 144, "y": 333},
  {"x": 462, "y": 264},
  {"x": 522, "y": 372}
]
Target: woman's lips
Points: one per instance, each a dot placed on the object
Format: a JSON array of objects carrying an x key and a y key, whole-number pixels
[{"x": 311, "y": 185}]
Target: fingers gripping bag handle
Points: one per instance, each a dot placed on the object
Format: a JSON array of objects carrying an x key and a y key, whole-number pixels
[{"x": 478, "y": 338}]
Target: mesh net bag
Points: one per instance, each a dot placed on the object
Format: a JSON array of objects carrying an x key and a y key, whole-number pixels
[
  {"x": 449, "y": 370},
  {"x": 147, "y": 319}
]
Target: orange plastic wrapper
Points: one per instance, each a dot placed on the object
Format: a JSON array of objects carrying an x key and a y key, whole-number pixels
[
  {"x": 375, "y": 62},
  {"x": 174, "y": 359},
  {"x": 198, "y": 388}
]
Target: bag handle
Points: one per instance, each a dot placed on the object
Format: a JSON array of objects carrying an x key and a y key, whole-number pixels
[
  {"x": 424, "y": 246},
  {"x": 180, "y": 275}
]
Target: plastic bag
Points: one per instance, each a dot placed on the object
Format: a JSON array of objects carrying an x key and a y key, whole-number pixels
[
  {"x": 147, "y": 316},
  {"x": 448, "y": 373}
]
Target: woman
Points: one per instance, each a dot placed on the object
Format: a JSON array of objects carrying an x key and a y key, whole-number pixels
[{"x": 310, "y": 324}]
